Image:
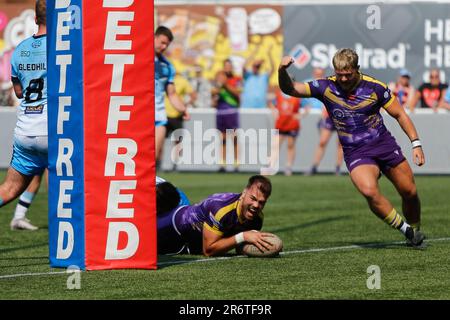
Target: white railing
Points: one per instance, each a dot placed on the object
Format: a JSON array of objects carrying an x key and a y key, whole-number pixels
[{"x": 433, "y": 128}]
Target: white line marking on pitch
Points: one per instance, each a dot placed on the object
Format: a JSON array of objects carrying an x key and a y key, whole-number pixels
[
  {"x": 369, "y": 245},
  {"x": 31, "y": 274},
  {"x": 350, "y": 247}
]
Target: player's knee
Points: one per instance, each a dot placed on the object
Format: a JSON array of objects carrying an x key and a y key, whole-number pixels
[
  {"x": 370, "y": 192},
  {"x": 409, "y": 193},
  {"x": 9, "y": 192}
]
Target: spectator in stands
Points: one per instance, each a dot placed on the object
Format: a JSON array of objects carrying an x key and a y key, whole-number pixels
[
  {"x": 286, "y": 110},
  {"x": 445, "y": 101},
  {"x": 175, "y": 118},
  {"x": 313, "y": 103},
  {"x": 403, "y": 89},
  {"x": 430, "y": 93},
  {"x": 326, "y": 128},
  {"x": 226, "y": 94},
  {"x": 256, "y": 83},
  {"x": 202, "y": 89},
  {"x": 6, "y": 97}
]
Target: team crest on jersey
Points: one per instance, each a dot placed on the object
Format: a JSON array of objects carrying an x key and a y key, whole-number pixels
[
  {"x": 338, "y": 114},
  {"x": 36, "y": 44},
  {"x": 315, "y": 83},
  {"x": 34, "y": 109}
]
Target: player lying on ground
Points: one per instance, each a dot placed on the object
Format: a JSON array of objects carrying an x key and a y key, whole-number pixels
[
  {"x": 353, "y": 101},
  {"x": 217, "y": 224}
]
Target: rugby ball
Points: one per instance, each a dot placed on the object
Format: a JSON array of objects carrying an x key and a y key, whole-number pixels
[{"x": 251, "y": 250}]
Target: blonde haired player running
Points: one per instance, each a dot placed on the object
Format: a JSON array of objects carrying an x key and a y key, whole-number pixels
[{"x": 353, "y": 101}]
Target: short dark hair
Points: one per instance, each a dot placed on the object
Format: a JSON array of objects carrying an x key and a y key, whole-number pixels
[
  {"x": 263, "y": 183},
  {"x": 41, "y": 16},
  {"x": 162, "y": 30},
  {"x": 167, "y": 197}
]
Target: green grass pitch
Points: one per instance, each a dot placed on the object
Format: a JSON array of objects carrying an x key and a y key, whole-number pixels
[{"x": 330, "y": 240}]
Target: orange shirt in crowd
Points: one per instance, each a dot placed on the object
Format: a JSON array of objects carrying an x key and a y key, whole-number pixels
[{"x": 288, "y": 109}]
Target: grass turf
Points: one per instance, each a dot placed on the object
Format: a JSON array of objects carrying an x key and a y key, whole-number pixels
[{"x": 322, "y": 211}]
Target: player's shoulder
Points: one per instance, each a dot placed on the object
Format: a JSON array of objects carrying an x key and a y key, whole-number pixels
[
  {"x": 222, "y": 203},
  {"x": 28, "y": 42},
  {"x": 164, "y": 60},
  {"x": 225, "y": 197},
  {"x": 170, "y": 66},
  {"x": 320, "y": 83},
  {"x": 373, "y": 82},
  {"x": 23, "y": 45}
]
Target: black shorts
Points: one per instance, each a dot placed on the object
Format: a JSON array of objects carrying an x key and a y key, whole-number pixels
[
  {"x": 173, "y": 124},
  {"x": 291, "y": 133}
]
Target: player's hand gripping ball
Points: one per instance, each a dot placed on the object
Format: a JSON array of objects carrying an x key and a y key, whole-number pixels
[{"x": 251, "y": 250}]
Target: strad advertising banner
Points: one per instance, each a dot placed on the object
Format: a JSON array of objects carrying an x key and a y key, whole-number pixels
[
  {"x": 102, "y": 206},
  {"x": 387, "y": 37}
]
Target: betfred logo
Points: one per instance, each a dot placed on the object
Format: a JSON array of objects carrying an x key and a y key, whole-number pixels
[
  {"x": 120, "y": 215},
  {"x": 102, "y": 211},
  {"x": 301, "y": 56}
]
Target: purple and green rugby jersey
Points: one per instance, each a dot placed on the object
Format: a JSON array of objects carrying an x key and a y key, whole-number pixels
[
  {"x": 219, "y": 213},
  {"x": 356, "y": 115}
]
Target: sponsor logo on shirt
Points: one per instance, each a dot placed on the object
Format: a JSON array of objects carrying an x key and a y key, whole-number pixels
[
  {"x": 36, "y": 43},
  {"x": 34, "y": 109}
]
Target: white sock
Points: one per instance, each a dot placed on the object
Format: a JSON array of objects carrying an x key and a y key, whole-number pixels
[
  {"x": 24, "y": 203},
  {"x": 404, "y": 227}
]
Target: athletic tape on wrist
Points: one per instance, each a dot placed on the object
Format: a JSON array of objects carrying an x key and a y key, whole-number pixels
[
  {"x": 239, "y": 238},
  {"x": 416, "y": 143}
]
